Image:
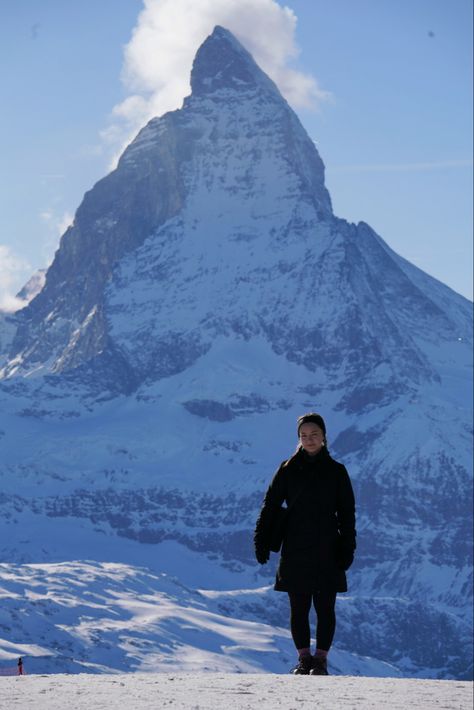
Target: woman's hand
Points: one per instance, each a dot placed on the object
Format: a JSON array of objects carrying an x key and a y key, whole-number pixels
[{"x": 262, "y": 554}]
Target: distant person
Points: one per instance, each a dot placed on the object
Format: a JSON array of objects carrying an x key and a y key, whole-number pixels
[
  {"x": 20, "y": 666},
  {"x": 319, "y": 539}
]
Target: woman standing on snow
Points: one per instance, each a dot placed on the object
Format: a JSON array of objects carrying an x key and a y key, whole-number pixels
[{"x": 319, "y": 540}]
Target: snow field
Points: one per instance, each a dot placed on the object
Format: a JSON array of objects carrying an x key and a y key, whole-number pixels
[{"x": 206, "y": 691}]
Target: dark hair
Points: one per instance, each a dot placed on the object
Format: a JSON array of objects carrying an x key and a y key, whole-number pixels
[{"x": 312, "y": 418}]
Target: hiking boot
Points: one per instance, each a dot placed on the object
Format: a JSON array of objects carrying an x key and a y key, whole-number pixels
[
  {"x": 304, "y": 666},
  {"x": 319, "y": 666}
]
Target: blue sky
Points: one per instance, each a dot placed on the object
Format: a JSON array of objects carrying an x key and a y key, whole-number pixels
[{"x": 391, "y": 113}]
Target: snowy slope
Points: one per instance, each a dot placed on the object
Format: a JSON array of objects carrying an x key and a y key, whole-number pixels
[
  {"x": 209, "y": 691},
  {"x": 203, "y": 298},
  {"x": 110, "y": 617}
]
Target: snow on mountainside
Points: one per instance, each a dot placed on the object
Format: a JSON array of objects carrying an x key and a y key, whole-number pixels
[
  {"x": 203, "y": 298},
  {"x": 109, "y": 617},
  {"x": 7, "y": 334},
  {"x": 207, "y": 691}
]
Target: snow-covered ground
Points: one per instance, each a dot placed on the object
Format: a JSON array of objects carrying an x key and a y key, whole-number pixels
[
  {"x": 192, "y": 691},
  {"x": 76, "y": 617}
]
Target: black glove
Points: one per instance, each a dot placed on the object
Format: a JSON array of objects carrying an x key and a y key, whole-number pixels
[{"x": 262, "y": 554}]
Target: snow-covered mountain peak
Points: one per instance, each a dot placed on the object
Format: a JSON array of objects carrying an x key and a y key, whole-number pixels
[
  {"x": 222, "y": 64},
  {"x": 204, "y": 297},
  {"x": 235, "y": 159}
]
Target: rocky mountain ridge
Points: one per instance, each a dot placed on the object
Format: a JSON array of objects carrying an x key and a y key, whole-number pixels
[{"x": 203, "y": 298}]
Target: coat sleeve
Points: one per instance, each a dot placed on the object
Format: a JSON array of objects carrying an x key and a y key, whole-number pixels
[
  {"x": 346, "y": 513},
  {"x": 274, "y": 497}
]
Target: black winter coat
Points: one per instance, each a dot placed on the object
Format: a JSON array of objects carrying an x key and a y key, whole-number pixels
[{"x": 320, "y": 535}]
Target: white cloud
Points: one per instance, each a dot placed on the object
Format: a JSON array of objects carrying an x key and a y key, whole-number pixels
[
  {"x": 63, "y": 222},
  {"x": 14, "y": 271},
  {"x": 158, "y": 58},
  {"x": 57, "y": 225}
]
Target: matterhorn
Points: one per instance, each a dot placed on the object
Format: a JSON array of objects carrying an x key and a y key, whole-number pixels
[{"x": 203, "y": 298}]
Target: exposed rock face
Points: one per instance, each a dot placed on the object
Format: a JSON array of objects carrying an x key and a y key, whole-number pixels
[
  {"x": 226, "y": 197},
  {"x": 64, "y": 324},
  {"x": 207, "y": 281},
  {"x": 33, "y": 286}
]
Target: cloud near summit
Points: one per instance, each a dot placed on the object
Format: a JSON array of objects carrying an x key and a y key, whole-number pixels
[
  {"x": 12, "y": 269},
  {"x": 158, "y": 58}
]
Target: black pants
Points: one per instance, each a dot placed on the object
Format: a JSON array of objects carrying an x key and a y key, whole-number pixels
[{"x": 300, "y": 605}]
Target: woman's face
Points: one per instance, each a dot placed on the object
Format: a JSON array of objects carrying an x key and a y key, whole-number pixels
[{"x": 311, "y": 437}]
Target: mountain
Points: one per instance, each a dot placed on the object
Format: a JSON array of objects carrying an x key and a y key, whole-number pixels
[
  {"x": 106, "y": 617},
  {"x": 204, "y": 297},
  {"x": 32, "y": 287}
]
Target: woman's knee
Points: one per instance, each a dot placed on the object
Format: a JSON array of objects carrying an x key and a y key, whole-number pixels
[{"x": 300, "y": 603}]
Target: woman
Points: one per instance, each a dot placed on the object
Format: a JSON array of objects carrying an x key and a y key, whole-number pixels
[{"x": 319, "y": 542}]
